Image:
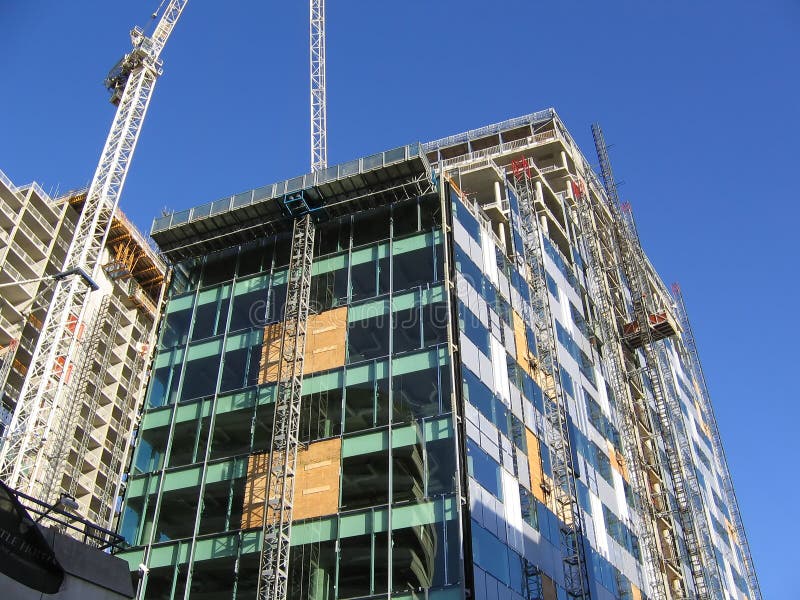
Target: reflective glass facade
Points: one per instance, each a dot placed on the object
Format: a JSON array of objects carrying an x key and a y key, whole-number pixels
[{"x": 425, "y": 470}]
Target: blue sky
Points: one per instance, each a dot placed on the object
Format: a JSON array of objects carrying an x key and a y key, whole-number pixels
[{"x": 698, "y": 99}]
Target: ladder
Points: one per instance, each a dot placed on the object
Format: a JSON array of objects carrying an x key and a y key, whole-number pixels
[
  {"x": 615, "y": 369},
  {"x": 555, "y": 402},
  {"x": 702, "y": 566},
  {"x": 719, "y": 452},
  {"x": 273, "y": 577}
]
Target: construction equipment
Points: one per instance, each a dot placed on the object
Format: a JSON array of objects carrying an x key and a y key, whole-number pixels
[
  {"x": 273, "y": 578},
  {"x": 555, "y": 403},
  {"x": 719, "y": 452},
  {"x": 319, "y": 112},
  {"x": 694, "y": 524},
  {"x": 594, "y": 229},
  {"x": 42, "y": 397}
]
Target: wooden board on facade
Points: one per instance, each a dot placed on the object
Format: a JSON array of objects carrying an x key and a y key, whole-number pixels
[
  {"x": 316, "y": 491},
  {"x": 325, "y": 345}
]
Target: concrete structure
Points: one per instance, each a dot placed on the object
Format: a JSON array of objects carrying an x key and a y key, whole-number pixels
[
  {"x": 497, "y": 398},
  {"x": 101, "y": 381}
]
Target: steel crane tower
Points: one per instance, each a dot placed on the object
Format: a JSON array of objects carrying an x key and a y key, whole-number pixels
[
  {"x": 273, "y": 577},
  {"x": 319, "y": 112},
  {"x": 28, "y": 459}
]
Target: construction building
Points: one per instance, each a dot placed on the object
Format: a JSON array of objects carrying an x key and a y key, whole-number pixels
[
  {"x": 442, "y": 371},
  {"x": 78, "y": 444}
]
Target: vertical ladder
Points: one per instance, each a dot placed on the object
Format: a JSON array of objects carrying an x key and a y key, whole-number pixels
[
  {"x": 555, "y": 404},
  {"x": 702, "y": 565},
  {"x": 9, "y": 353},
  {"x": 276, "y": 530},
  {"x": 615, "y": 369},
  {"x": 719, "y": 452}
]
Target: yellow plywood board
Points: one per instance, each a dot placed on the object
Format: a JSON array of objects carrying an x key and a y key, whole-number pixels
[
  {"x": 617, "y": 461},
  {"x": 316, "y": 490},
  {"x": 325, "y": 341},
  {"x": 325, "y": 345},
  {"x": 521, "y": 343},
  {"x": 636, "y": 593},
  {"x": 535, "y": 466},
  {"x": 253, "y": 505}
]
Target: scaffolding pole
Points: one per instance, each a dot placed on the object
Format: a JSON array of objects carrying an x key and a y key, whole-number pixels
[
  {"x": 719, "y": 452},
  {"x": 690, "y": 510},
  {"x": 23, "y": 456},
  {"x": 273, "y": 577},
  {"x": 555, "y": 403},
  {"x": 615, "y": 369}
]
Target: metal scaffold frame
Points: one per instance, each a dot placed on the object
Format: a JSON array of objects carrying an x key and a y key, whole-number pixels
[
  {"x": 25, "y": 452},
  {"x": 690, "y": 510},
  {"x": 531, "y": 260},
  {"x": 719, "y": 452},
  {"x": 273, "y": 577},
  {"x": 615, "y": 369}
]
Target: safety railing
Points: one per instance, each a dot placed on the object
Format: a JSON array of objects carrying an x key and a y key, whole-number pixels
[{"x": 296, "y": 184}]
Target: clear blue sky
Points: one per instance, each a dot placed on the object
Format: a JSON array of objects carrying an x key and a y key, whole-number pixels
[{"x": 699, "y": 100}]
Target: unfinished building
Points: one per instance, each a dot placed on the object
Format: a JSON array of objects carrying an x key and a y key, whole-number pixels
[
  {"x": 442, "y": 371},
  {"x": 81, "y": 447}
]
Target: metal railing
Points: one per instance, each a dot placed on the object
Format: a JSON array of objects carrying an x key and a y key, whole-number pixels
[
  {"x": 71, "y": 524},
  {"x": 288, "y": 186}
]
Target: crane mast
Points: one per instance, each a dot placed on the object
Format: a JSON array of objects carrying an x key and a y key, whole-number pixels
[
  {"x": 28, "y": 461},
  {"x": 273, "y": 576},
  {"x": 319, "y": 113}
]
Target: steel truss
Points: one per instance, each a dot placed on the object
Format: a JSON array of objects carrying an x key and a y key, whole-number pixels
[
  {"x": 25, "y": 452},
  {"x": 555, "y": 404},
  {"x": 691, "y": 514},
  {"x": 639, "y": 467},
  {"x": 719, "y": 452},
  {"x": 273, "y": 577},
  {"x": 319, "y": 111}
]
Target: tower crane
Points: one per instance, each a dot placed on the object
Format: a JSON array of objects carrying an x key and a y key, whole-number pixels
[
  {"x": 273, "y": 575},
  {"x": 28, "y": 459}
]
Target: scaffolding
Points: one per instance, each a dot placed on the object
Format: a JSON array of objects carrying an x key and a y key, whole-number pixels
[
  {"x": 594, "y": 229},
  {"x": 719, "y": 452},
  {"x": 39, "y": 410},
  {"x": 657, "y": 374},
  {"x": 531, "y": 261}
]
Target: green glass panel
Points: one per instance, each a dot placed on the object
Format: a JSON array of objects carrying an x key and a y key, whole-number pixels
[
  {"x": 204, "y": 350},
  {"x": 177, "y": 480},
  {"x": 156, "y": 418},
  {"x": 314, "y": 531},
  {"x": 329, "y": 263},
  {"x": 261, "y": 282},
  {"x": 364, "y": 444},
  {"x": 368, "y": 310},
  {"x": 170, "y": 357},
  {"x": 325, "y": 381},
  {"x": 178, "y": 304}
]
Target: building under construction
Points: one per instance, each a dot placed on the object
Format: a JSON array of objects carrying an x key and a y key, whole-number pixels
[
  {"x": 74, "y": 436},
  {"x": 442, "y": 371}
]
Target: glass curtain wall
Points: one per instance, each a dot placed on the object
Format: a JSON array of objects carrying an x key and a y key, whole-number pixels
[{"x": 377, "y": 510}]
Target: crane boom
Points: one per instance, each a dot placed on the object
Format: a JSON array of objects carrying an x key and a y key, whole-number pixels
[
  {"x": 319, "y": 111},
  {"x": 29, "y": 460}
]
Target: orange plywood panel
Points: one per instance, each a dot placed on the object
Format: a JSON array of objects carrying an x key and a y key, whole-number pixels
[
  {"x": 325, "y": 341},
  {"x": 325, "y": 345},
  {"x": 538, "y": 478},
  {"x": 636, "y": 592},
  {"x": 521, "y": 342},
  {"x": 254, "y": 491},
  {"x": 617, "y": 461},
  {"x": 317, "y": 488}
]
